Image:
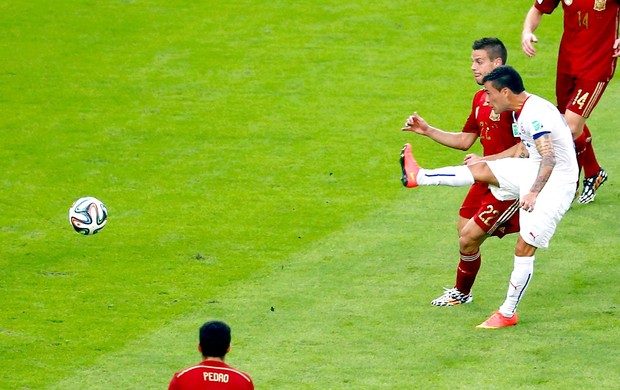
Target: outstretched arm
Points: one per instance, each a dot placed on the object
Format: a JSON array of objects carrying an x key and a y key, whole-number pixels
[
  {"x": 463, "y": 141},
  {"x": 532, "y": 20},
  {"x": 545, "y": 148},
  {"x": 516, "y": 151}
]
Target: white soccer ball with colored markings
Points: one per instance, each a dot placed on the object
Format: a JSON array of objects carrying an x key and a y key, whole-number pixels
[{"x": 88, "y": 215}]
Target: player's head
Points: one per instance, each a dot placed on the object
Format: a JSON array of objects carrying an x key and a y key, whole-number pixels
[
  {"x": 487, "y": 54},
  {"x": 505, "y": 77},
  {"x": 214, "y": 339},
  {"x": 501, "y": 84}
]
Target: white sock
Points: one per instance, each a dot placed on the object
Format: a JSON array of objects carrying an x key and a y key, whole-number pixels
[
  {"x": 519, "y": 280},
  {"x": 456, "y": 176}
]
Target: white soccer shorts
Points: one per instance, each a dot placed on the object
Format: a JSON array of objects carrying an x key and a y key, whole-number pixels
[{"x": 515, "y": 177}]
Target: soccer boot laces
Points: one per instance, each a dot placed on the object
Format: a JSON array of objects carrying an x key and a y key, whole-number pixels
[{"x": 452, "y": 297}]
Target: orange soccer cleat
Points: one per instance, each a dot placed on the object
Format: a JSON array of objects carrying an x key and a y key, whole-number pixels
[
  {"x": 497, "y": 320},
  {"x": 410, "y": 167}
]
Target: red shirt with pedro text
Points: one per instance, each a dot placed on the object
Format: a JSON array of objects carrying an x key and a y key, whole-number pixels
[{"x": 211, "y": 375}]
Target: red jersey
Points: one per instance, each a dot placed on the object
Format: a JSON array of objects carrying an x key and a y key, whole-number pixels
[
  {"x": 211, "y": 375},
  {"x": 495, "y": 133},
  {"x": 590, "y": 29},
  {"x": 494, "y": 130}
]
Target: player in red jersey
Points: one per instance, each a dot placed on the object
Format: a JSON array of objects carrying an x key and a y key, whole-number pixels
[
  {"x": 212, "y": 373},
  {"x": 586, "y": 63},
  {"x": 481, "y": 214}
]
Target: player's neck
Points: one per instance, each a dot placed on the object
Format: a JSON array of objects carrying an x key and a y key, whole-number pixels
[
  {"x": 518, "y": 101},
  {"x": 213, "y": 359}
]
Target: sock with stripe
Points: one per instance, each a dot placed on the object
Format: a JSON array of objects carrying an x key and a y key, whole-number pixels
[
  {"x": 519, "y": 280},
  {"x": 467, "y": 270},
  {"x": 456, "y": 176}
]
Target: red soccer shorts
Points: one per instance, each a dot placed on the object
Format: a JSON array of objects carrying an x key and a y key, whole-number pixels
[
  {"x": 577, "y": 95},
  {"x": 495, "y": 217}
]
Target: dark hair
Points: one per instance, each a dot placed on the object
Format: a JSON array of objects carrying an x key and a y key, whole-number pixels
[
  {"x": 494, "y": 48},
  {"x": 214, "y": 339},
  {"x": 505, "y": 77}
]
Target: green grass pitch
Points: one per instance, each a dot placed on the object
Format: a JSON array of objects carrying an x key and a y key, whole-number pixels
[{"x": 248, "y": 155}]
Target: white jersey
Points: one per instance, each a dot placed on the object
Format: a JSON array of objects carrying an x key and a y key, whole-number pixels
[
  {"x": 516, "y": 176},
  {"x": 538, "y": 117}
]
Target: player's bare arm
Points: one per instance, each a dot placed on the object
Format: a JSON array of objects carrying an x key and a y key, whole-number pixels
[
  {"x": 521, "y": 151},
  {"x": 517, "y": 151},
  {"x": 532, "y": 20},
  {"x": 544, "y": 146},
  {"x": 463, "y": 141},
  {"x": 617, "y": 48}
]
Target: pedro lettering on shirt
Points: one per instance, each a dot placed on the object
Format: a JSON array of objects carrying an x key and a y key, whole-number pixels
[{"x": 215, "y": 377}]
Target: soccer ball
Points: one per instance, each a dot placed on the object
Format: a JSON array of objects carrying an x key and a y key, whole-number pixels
[{"x": 88, "y": 215}]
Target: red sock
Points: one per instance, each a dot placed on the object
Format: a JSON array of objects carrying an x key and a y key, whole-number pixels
[
  {"x": 585, "y": 156},
  {"x": 466, "y": 271},
  {"x": 580, "y": 148}
]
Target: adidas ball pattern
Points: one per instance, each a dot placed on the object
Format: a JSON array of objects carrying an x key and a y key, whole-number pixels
[{"x": 88, "y": 215}]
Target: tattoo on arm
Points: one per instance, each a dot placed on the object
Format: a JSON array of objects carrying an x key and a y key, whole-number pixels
[{"x": 545, "y": 148}]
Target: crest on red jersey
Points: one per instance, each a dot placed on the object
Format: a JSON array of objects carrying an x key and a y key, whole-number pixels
[
  {"x": 567, "y": 2},
  {"x": 599, "y": 5}
]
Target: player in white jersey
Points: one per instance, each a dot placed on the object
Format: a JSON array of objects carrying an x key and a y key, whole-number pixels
[
  {"x": 545, "y": 182},
  {"x": 538, "y": 117}
]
